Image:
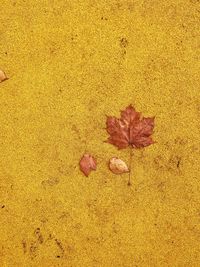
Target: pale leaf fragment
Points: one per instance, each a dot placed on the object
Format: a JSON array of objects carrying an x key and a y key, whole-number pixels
[{"x": 118, "y": 166}]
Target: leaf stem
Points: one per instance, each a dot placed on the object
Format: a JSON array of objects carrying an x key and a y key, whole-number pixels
[{"x": 130, "y": 161}]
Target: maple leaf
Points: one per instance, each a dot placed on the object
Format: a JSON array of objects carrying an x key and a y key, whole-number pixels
[
  {"x": 87, "y": 164},
  {"x": 130, "y": 130}
]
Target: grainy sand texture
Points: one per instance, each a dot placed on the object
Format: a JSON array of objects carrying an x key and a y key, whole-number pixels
[{"x": 70, "y": 63}]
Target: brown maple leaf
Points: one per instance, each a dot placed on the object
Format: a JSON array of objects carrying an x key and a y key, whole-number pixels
[
  {"x": 130, "y": 130},
  {"x": 87, "y": 164}
]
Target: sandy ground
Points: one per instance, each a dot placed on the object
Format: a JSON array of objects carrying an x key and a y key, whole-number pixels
[{"x": 69, "y": 64}]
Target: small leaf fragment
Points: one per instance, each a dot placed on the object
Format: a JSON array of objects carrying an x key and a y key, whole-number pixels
[
  {"x": 87, "y": 164},
  {"x": 3, "y": 76},
  {"x": 118, "y": 166}
]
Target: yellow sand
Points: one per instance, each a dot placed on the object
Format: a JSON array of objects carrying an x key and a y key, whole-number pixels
[{"x": 70, "y": 63}]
